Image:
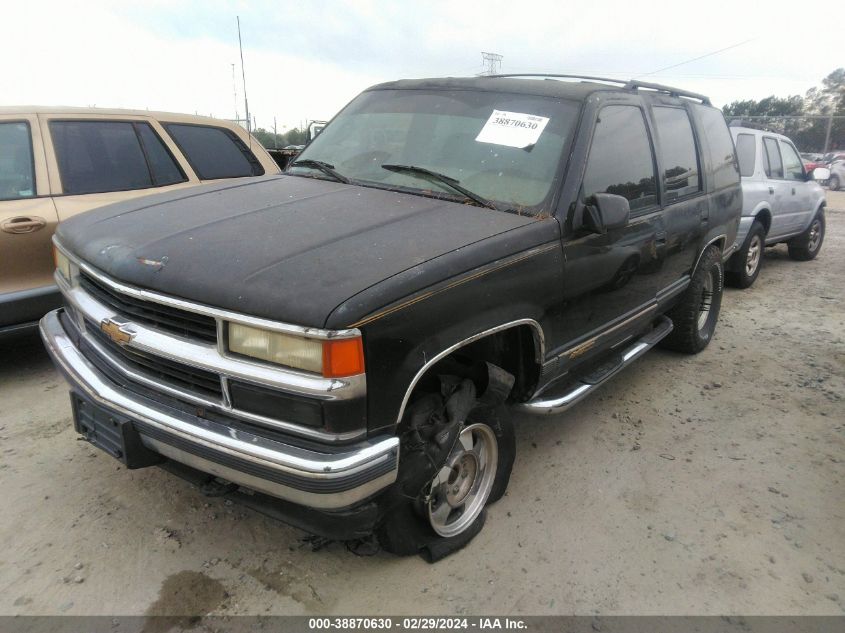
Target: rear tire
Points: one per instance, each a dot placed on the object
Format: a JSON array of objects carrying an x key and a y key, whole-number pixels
[
  {"x": 696, "y": 313},
  {"x": 806, "y": 246},
  {"x": 748, "y": 261},
  {"x": 833, "y": 184}
]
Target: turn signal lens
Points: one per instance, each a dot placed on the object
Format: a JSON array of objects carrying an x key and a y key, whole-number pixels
[{"x": 343, "y": 357}]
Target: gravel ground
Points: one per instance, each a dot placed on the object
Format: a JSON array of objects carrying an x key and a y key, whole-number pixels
[{"x": 690, "y": 485}]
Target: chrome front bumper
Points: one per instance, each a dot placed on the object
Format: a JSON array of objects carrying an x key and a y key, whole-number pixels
[{"x": 337, "y": 478}]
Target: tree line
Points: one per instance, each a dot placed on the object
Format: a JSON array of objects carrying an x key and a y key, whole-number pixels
[
  {"x": 807, "y": 133},
  {"x": 268, "y": 139}
]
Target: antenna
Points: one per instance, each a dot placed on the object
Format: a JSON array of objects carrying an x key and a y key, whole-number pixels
[
  {"x": 492, "y": 63},
  {"x": 243, "y": 73},
  {"x": 235, "y": 92}
]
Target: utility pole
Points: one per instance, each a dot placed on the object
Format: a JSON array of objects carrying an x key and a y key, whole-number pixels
[
  {"x": 492, "y": 63},
  {"x": 827, "y": 134},
  {"x": 243, "y": 73},
  {"x": 275, "y": 135}
]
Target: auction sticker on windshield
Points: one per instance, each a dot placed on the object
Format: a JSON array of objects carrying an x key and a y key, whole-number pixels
[{"x": 513, "y": 129}]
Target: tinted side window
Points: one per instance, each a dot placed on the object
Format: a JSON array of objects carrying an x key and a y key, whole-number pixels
[
  {"x": 720, "y": 146},
  {"x": 746, "y": 152},
  {"x": 17, "y": 176},
  {"x": 163, "y": 167},
  {"x": 677, "y": 151},
  {"x": 774, "y": 166},
  {"x": 97, "y": 156},
  {"x": 214, "y": 152},
  {"x": 792, "y": 165},
  {"x": 620, "y": 160}
]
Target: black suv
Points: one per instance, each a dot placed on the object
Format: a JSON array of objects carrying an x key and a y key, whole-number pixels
[{"x": 340, "y": 345}]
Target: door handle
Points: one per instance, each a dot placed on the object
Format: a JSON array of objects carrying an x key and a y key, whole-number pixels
[
  {"x": 23, "y": 225},
  {"x": 660, "y": 237},
  {"x": 771, "y": 190}
]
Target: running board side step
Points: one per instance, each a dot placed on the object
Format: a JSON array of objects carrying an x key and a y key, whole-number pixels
[{"x": 556, "y": 400}]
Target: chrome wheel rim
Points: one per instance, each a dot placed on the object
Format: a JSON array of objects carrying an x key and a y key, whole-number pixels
[
  {"x": 815, "y": 235},
  {"x": 706, "y": 300},
  {"x": 461, "y": 487},
  {"x": 752, "y": 259}
]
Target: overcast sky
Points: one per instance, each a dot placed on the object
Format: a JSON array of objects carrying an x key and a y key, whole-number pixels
[{"x": 305, "y": 60}]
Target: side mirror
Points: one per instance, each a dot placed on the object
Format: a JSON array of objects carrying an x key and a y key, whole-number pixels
[
  {"x": 605, "y": 212},
  {"x": 820, "y": 173}
]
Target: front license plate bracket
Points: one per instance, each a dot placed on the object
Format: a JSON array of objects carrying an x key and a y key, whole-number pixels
[{"x": 113, "y": 433}]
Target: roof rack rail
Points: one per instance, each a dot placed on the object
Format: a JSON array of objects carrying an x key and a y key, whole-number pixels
[
  {"x": 553, "y": 76},
  {"x": 675, "y": 92},
  {"x": 630, "y": 84}
]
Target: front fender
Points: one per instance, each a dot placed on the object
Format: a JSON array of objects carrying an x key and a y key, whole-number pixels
[{"x": 406, "y": 338}]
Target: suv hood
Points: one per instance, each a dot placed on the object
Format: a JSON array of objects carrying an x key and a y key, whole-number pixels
[{"x": 284, "y": 247}]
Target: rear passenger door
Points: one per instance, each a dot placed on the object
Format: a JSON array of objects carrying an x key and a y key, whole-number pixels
[
  {"x": 685, "y": 205},
  {"x": 800, "y": 203},
  {"x": 779, "y": 196},
  {"x": 27, "y": 215},
  {"x": 95, "y": 161},
  {"x": 610, "y": 280}
]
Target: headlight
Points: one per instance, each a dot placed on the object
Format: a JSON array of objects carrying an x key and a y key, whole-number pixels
[
  {"x": 331, "y": 358},
  {"x": 62, "y": 263}
]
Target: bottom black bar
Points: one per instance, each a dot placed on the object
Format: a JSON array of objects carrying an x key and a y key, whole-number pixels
[{"x": 538, "y": 624}]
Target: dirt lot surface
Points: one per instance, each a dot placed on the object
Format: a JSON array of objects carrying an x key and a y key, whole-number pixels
[{"x": 712, "y": 484}]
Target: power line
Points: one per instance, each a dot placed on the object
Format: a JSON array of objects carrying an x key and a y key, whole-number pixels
[{"x": 695, "y": 59}]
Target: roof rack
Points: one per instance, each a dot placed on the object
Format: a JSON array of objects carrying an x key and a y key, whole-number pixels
[
  {"x": 552, "y": 76},
  {"x": 675, "y": 92},
  {"x": 631, "y": 84}
]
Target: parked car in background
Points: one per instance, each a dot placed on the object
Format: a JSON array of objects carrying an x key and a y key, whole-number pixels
[
  {"x": 837, "y": 176},
  {"x": 811, "y": 161},
  {"x": 832, "y": 157},
  {"x": 781, "y": 203},
  {"x": 339, "y": 345},
  {"x": 58, "y": 162}
]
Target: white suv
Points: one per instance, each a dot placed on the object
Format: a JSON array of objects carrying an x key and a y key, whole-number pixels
[{"x": 781, "y": 203}]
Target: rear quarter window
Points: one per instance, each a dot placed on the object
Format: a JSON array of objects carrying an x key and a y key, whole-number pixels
[
  {"x": 214, "y": 152},
  {"x": 720, "y": 147}
]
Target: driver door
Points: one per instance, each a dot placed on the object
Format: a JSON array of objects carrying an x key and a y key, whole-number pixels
[{"x": 610, "y": 279}]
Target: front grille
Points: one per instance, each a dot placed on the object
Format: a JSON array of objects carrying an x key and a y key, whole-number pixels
[
  {"x": 175, "y": 374},
  {"x": 182, "y": 322}
]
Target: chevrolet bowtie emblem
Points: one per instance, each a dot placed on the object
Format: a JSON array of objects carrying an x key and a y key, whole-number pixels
[{"x": 116, "y": 331}]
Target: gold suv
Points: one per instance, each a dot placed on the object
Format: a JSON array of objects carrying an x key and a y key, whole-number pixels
[{"x": 57, "y": 162}]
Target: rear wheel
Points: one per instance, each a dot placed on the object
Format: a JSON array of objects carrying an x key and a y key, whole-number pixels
[
  {"x": 696, "y": 313},
  {"x": 833, "y": 184},
  {"x": 746, "y": 263},
  {"x": 806, "y": 246}
]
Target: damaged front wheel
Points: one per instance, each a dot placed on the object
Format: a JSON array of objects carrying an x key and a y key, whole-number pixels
[
  {"x": 456, "y": 458},
  {"x": 461, "y": 488}
]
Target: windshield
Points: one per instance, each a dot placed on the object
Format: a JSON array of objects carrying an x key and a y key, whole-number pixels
[{"x": 505, "y": 148}]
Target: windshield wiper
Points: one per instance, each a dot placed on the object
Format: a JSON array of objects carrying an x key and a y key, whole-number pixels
[
  {"x": 441, "y": 178},
  {"x": 324, "y": 167}
]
